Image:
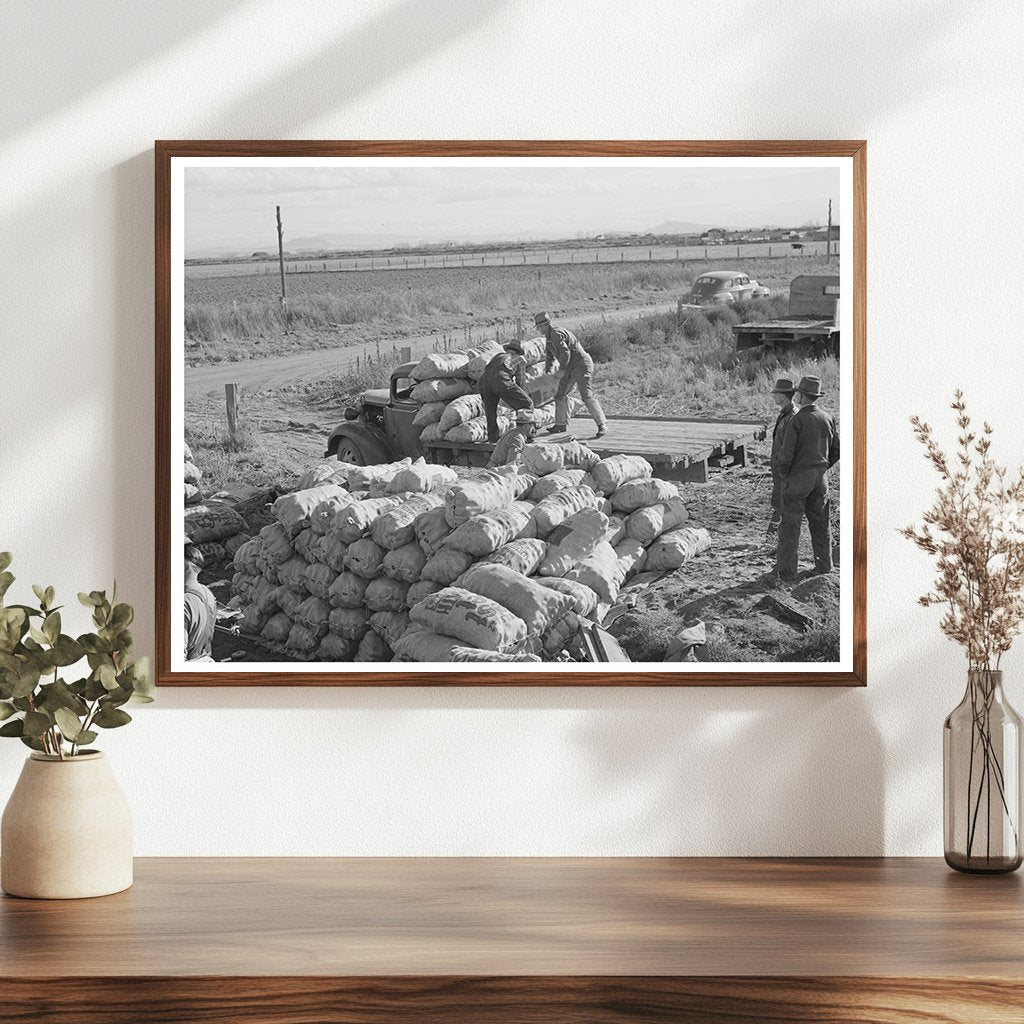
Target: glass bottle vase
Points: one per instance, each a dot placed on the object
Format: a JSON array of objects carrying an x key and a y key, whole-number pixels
[{"x": 981, "y": 776}]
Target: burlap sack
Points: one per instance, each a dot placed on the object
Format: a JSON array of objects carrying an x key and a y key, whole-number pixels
[
  {"x": 347, "y": 591},
  {"x": 420, "y": 590},
  {"x": 542, "y": 459},
  {"x": 318, "y": 579},
  {"x": 386, "y": 595},
  {"x": 599, "y": 571},
  {"x": 372, "y": 648},
  {"x": 522, "y": 556},
  {"x": 396, "y": 527},
  {"x": 675, "y": 548},
  {"x": 288, "y": 600},
  {"x": 335, "y": 648},
  {"x": 642, "y": 493},
  {"x": 302, "y": 640},
  {"x": 446, "y": 565},
  {"x": 471, "y": 618},
  {"x": 293, "y": 511},
  {"x": 489, "y": 491},
  {"x": 350, "y": 623},
  {"x": 352, "y": 522},
  {"x": 205, "y": 524},
  {"x": 585, "y": 600},
  {"x": 364, "y": 558},
  {"x": 405, "y": 563},
  {"x": 431, "y": 528},
  {"x": 560, "y": 481},
  {"x": 293, "y": 573},
  {"x": 485, "y": 533},
  {"x": 611, "y": 473},
  {"x": 536, "y": 606},
  {"x": 648, "y": 524},
  {"x": 422, "y": 478},
  {"x": 462, "y": 410},
  {"x": 390, "y": 626},
  {"x": 275, "y": 544},
  {"x": 572, "y": 541},
  {"x": 441, "y": 389},
  {"x": 277, "y": 628},
  {"x": 557, "y": 507},
  {"x": 441, "y": 364}
]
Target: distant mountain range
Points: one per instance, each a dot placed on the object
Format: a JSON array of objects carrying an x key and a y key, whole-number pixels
[{"x": 330, "y": 241}]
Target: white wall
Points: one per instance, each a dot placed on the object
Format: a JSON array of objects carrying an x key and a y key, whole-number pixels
[{"x": 935, "y": 87}]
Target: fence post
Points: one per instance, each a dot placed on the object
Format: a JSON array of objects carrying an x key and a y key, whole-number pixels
[
  {"x": 405, "y": 354},
  {"x": 231, "y": 400}
]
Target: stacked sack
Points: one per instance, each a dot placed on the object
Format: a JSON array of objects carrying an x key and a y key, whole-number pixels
[
  {"x": 217, "y": 529},
  {"x": 410, "y": 562},
  {"x": 193, "y": 474},
  {"x": 451, "y": 408}
]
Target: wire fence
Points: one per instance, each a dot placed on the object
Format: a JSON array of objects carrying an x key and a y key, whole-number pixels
[{"x": 515, "y": 258}]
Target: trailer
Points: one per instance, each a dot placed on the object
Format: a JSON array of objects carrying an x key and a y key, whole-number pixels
[
  {"x": 813, "y": 300},
  {"x": 679, "y": 448}
]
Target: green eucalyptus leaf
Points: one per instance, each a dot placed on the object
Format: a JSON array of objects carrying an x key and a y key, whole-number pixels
[
  {"x": 94, "y": 689},
  {"x": 38, "y": 635},
  {"x": 69, "y": 724},
  {"x": 5, "y": 559},
  {"x": 22, "y": 703},
  {"x": 27, "y": 682},
  {"x": 36, "y": 723},
  {"x": 40, "y": 593},
  {"x": 107, "y": 676},
  {"x": 111, "y": 718},
  {"x": 86, "y": 736},
  {"x": 6, "y": 579},
  {"x": 66, "y": 651},
  {"x": 16, "y": 727},
  {"x": 13, "y": 625},
  {"x": 51, "y": 626},
  {"x": 31, "y": 741},
  {"x": 59, "y": 695},
  {"x": 50, "y": 596},
  {"x": 122, "y": 616},
  {"x": 6, "y": 710},
  {"x": 95, "y": 645},
  {"x": 89, "y": 600}
]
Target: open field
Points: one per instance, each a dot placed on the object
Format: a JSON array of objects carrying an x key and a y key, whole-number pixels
[
  {"x": 651, "y": 366},
  {"x": 229, "y": 319}
]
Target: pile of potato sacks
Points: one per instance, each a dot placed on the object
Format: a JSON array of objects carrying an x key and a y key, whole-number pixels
[
  {"x": 451, "y": 408},
  {"x": 423, "y": 563}
]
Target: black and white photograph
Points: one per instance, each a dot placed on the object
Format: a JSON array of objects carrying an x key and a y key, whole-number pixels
[{"x": 511, "y": 414}]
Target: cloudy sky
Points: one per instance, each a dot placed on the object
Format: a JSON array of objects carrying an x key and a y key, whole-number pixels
[{"x": 232, "y": 208}]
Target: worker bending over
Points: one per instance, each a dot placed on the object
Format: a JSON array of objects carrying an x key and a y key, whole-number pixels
[
  {"x": 509, "y": 449},
  {"x": 504, "y": 380}
]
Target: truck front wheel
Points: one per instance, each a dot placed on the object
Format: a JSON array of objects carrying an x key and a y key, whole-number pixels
[{"x": 349, "y": 451}]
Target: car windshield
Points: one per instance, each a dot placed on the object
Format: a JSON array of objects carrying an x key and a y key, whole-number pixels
[{"x": 708, "y": 285}]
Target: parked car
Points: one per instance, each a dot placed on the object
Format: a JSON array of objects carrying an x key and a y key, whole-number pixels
[{"x": 718, "y": 287}]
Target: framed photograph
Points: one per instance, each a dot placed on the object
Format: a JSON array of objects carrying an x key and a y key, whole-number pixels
[{"x": 510, "y": 413}]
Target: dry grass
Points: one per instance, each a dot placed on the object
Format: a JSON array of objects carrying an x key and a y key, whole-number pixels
[{"x": 235, "y": 318}]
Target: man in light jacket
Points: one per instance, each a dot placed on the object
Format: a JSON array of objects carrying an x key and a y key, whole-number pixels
[{"x": 575, "y": 368}]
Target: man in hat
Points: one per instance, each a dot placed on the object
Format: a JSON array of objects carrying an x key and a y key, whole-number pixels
[
  {"x": 782, "y": 395},
  {"x": 200, "y": 608},
  {"x": 810, "y": 448},
  {"x": 576, "y": 370},
  {"x": 509, "y": 449},
  {"x": 504, "y": 380}
]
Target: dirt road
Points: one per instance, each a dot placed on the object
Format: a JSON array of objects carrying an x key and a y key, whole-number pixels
[{"x": 275, "y": 371}]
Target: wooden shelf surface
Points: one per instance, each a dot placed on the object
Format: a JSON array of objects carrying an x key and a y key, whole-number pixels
[{"x": 699, "y": 928}]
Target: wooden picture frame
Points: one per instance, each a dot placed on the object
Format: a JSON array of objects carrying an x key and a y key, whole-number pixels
[{"x": 168, "y": 217}]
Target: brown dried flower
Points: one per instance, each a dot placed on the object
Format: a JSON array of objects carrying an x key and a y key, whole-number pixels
[{"x": 975, "y": 530}]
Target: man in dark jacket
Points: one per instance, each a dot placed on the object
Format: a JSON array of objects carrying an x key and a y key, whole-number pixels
[
  {"x": 782, "y": 394},
  {"x": 503, "y": 380},
  {"x": 810, "y": 448},
  {"x": 576, "y": 370}
]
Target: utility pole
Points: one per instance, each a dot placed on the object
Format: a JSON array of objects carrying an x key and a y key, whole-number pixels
[
  {"x": 828, "y": 235},
  {"x": 280, "y": 263}
]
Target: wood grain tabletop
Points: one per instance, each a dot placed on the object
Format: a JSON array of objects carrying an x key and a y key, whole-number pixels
[{"x": 501, "y": 917}]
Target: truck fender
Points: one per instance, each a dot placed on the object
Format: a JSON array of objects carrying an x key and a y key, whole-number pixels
[{"x": 371, "y": 440}]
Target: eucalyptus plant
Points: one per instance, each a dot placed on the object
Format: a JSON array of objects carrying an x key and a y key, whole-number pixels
[{"x": 38, "y": 704}]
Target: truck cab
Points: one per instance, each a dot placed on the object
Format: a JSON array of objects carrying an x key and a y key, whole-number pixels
[{"x": 378, "y": 427}]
